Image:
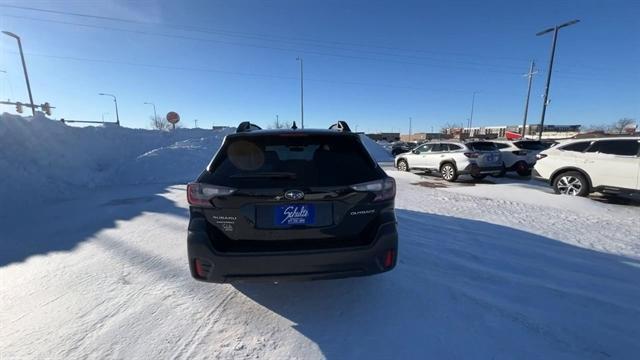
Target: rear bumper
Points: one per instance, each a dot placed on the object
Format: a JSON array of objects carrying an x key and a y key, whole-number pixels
[
  {"x": 286, "y": 266},
  {"x": 536, "y": 176},
  {"x": 519, "y": 166},
  {"x": 474, "y": 169}
]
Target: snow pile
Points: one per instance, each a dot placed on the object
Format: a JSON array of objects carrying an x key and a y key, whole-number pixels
[
  {"x": 179, "y": 162},
  {"x": 45, "y": 160},
  {"x": 49, "y": 160}
]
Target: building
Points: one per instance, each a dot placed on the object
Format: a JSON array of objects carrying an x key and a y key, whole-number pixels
[
  {"x": 386, "y": 136},
  {"x": 531, "y": 131},
  {"x": 421, "y": 136}
]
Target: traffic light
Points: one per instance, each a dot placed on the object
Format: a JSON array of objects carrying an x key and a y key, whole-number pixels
[
  {"x": 19, "y": 107},
  {"x": 46, "y": 108}
]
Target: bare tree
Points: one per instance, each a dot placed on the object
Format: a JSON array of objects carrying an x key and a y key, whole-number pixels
[
  {"x": 160, "y": 123},
  {"x": 448, "y": 127},
  {"x": 619, "y": 126},
  {"x": 279, "y": 125}
]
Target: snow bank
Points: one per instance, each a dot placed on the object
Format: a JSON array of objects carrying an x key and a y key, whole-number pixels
[{"x": 46, "y": 160}]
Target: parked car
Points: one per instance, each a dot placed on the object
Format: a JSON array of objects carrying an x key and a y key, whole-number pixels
[
  {"x": 401, "y": 147},
  {"x": 579, "y": 167},
  {"x": 520, "y": 155},
  {"x": 291, "y": 204},
  {"x": 451, "y": 159}
]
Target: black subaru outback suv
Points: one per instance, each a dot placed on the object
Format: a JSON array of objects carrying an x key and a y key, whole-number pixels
[{"x": 291, "y": 205}]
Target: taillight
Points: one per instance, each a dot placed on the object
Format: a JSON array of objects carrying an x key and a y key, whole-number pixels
[
  {"x": 199, "y": 194},
  {"x": 471, "y": 155},
  {"x": 384, "y": 189},
  {"x": 541, "y": 156},
  {"x": 389, "y": 258},
  {"x": 202, "y": 268},
  {"x": 519, "y": 152}
]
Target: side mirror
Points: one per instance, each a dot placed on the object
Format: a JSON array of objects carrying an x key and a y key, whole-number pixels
[{"x": 415, "y": 152}]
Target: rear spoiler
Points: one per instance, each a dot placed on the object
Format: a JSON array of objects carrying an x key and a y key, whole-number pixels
[
  {"x": 246, "y": 126},
  {"x": 341, "y": 126}
]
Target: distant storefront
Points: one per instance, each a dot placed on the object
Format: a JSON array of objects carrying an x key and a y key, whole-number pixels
[{"x": 389, "y": 136}]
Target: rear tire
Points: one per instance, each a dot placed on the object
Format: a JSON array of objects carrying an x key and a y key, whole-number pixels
[
  {"x": 522, "y": 168},
  {"x": 571, "y": 183},
  {"x": 403, "y": 165},
  {"x": 449, "y": 172}
]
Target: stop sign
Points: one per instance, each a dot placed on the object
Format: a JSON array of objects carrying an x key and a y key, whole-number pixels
[{"x": 173, "y": 117}]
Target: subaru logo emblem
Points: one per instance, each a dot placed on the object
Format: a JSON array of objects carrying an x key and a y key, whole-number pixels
[{"x": 294, "y": 195}]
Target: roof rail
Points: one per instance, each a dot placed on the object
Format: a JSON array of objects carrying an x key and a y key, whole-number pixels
[
  {"x": 247, "y": 126},
  {"x": 340, "y": 126}
]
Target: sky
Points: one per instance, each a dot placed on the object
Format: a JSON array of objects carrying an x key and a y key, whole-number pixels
[{"x": 374, "y": 64}]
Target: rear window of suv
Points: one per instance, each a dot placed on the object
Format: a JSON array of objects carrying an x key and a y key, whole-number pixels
[
  {"x": 283, "y": 160},
  {"x": 482, "y": 146},
  {"x": 530, "y": 145}
]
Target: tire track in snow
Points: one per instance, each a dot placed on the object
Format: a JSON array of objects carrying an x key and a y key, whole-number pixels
[{"x": 191, "y": 341}]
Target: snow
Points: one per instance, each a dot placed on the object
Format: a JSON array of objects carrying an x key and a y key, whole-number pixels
[
  {"x": 498, "y": 271},
  {"x": 53, "y": 161}
]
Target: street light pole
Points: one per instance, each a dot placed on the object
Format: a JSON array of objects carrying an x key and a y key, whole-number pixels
[
  {"x": 526, "y": 104},
  {"x": 155, "y": 115},
  {"x": 410, "y": 135},
  {"x": 473, "y": 102},
  {"x": 549, "y": 71},
  {"x": 24, "y": 68},
  {"x": 301, "y": 91},
  {"x": 115, "y": 101}
]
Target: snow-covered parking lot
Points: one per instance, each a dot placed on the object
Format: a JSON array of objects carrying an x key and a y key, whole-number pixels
[
  {"x": 490, "y": 271},
  {"x": 106, "y": 276}
]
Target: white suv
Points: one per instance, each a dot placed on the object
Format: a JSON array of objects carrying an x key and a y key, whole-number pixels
[
  {"x": 451, "y": 159},
  {"x": 578, "y": 167},
  {"x": 520, "y": 155}
]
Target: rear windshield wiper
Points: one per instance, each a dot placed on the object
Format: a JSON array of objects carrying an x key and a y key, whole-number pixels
[{"x": 266, "y": 175}]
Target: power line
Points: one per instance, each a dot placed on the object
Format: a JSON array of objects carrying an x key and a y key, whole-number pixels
[
  {"x": 484, "y": 67},
  {"x": 295, "y": 40},
  {"x": 279, "y": 38},
  {"x": 235, "y": 73},
  {"x": 249, "y": 35}
]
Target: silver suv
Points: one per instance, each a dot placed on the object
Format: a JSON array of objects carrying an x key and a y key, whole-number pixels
[{"x": 451, "y": 159}]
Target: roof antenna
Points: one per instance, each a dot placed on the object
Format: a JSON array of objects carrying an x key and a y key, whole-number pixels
[{"x": 294, "y": 126}]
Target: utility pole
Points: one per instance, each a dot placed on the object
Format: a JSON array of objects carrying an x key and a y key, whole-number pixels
[
  {"x": 116, "y": 103},
  {"x": 277, "y": 121},
  {"x": 526, "y": 104},
  {"x": 410, "y": 135},
  {"x": 24, "y": 68},
  {"x": 301, "y": 92},
  {"x": 550, "y": 70},
  {"x": 473, "y": 102},
  {"x": 195, "y": 121}
]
